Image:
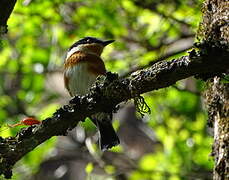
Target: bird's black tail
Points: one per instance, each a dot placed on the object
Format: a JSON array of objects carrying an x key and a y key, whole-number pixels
[{"x": 108, "y": 136}]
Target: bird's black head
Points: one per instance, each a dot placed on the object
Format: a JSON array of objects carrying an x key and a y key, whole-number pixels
[{"x": 90, "y": 40}]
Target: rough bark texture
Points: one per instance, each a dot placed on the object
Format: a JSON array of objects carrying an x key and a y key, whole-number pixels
[
  {"x": 218, "y": 108},
  {"x": 105, "y": 95},
  {"x": 215, "y": 30},
  {"x": 215, "y": 25}
]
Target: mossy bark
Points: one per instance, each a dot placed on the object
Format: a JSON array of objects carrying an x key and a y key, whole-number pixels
[
  {"x": 217, "y": 98},
  {"x": 214, "y": 30},
  {"x": 104, "y": 96}
]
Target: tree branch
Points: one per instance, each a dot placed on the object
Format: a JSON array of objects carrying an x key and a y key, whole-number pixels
[
  {"x": 105, "y": 95},
  {"x": 152, "y": 6},
  {"x": 161, "y": 58},
  {"x": 6, "y": 8}
]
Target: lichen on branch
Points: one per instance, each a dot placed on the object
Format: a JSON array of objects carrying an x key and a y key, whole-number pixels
[{"x": 104, "y": 96}]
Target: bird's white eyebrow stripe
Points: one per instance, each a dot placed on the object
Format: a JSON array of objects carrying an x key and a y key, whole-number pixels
[
  {"x": 72, "y": 51},
  {"x": 79, "y": 48}
]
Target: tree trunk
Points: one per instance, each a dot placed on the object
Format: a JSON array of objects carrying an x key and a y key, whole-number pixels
[
  {"x": 215, "y": 30},
  {"x": 218, "y": 108}
]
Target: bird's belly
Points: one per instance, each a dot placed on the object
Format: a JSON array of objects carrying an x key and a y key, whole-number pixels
[{"x": 80, "y": 79}]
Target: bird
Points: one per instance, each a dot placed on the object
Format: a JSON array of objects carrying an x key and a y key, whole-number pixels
[{"x": 82, "y": 65}]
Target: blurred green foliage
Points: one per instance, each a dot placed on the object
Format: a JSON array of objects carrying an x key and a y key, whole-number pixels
[{"x": 32, "y": 56}]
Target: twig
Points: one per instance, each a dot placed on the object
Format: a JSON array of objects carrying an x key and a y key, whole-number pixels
[{"x": 157, "y": 60}]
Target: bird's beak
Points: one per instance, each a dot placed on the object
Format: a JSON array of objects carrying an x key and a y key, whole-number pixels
[{"x": 105, "y": 43}]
